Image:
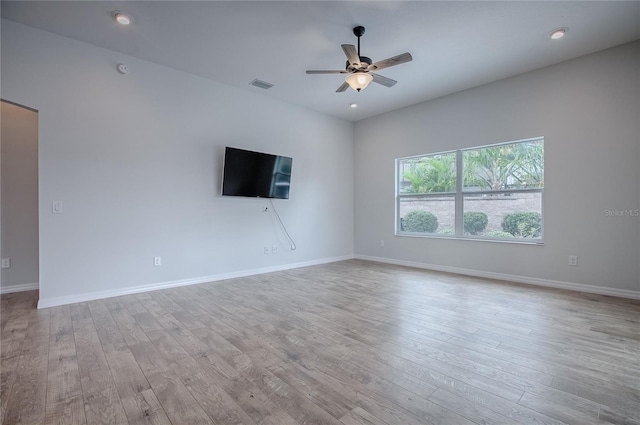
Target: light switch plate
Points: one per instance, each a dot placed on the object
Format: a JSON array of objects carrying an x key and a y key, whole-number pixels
[{"x": 56, "y": 207}]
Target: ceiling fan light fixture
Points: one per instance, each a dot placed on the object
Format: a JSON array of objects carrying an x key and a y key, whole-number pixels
[{"x": 358, "y": 80}]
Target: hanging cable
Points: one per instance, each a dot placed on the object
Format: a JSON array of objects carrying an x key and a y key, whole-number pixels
[{"x": 293, "y": 244}]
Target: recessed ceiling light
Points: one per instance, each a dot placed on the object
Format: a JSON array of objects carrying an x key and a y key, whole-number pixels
[
  {"x": 122, "y": 18},
  {"x": 353, "y": 105},
  {"x": 558, "y": 33}
]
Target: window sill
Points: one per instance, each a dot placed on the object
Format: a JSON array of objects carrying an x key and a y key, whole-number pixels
[{"x": 539, "y": 242}]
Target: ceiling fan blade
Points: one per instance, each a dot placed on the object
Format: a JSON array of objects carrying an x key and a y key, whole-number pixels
[
  {"x": 396, "y": 60},
  {"x": 387, "y": 82},
  {"x": 325, "y": 71},
  {"x": 343, "y": 87},
  {"x": 352, "y": 54}
]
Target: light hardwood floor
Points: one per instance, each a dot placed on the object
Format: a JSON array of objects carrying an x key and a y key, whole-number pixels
[{"x": 347, "y": 343}]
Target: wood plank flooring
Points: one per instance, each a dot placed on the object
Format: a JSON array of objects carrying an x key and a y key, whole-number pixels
[{"x": 347, "y": 343}]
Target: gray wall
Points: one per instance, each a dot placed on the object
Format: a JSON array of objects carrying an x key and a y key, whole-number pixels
[
  {"x": 136, "y": 161},
  {"x": 19, "y": 200},
  {"x": 587, "y": 109}
]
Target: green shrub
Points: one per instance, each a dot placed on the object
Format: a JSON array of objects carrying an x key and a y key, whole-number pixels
[
  {"x": 498, "y": 234},
  {"x": 523, "y": 224},
  {"x": 447, "y": 231},
  {"x": 419, "y": 221},
  {"x": 474, "y": 222}
]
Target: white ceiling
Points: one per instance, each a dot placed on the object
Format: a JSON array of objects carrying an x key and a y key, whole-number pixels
[{"x": 455, "y": 44}]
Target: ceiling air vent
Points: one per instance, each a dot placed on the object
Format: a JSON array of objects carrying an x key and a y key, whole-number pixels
[{"x": 261, "y": 84}]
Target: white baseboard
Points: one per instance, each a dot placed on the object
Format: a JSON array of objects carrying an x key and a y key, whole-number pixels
[
  {"x": 19, "y": 288},
  {"x": 90, "y": 296},
  {"x": 602, "y": 290}
]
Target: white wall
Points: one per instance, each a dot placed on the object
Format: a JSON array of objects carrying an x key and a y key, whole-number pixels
[
  {"x": 136, "y": 161},
  {"x": 588, "y": 110},
  {"x": 19, "y": 197}
]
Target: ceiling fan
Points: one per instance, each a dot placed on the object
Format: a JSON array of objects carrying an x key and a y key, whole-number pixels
[{"x": 360, "y": 68}]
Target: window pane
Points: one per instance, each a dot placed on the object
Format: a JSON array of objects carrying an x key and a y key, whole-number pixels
[
  {"x": 429, "y": 214},
  {"x": 504, "y": 215},
  {"x": 427, "y": 174},
  {"x": 512, "y": 166}
]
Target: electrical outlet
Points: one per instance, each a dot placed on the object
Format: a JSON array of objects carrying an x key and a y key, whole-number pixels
[
  {"x": 573, "y": 260},
  {"x": 267, "y": 250},
  {"x": 382, "y": 242},
  {"x": 6, "y": 263},
  {"x": 157, "y": 261},
  {"x": 275, "y": 249}
]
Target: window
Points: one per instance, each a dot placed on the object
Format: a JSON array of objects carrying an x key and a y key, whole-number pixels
[{"x": 488, "y": 192}]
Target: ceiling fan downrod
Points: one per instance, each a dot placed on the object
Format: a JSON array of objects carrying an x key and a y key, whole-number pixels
[
  {"x": 364, "y": 61},
  {"x": 358, "y": 32}
]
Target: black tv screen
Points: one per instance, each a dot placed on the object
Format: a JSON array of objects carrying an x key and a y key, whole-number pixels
[{"x": 256, "y": 174}]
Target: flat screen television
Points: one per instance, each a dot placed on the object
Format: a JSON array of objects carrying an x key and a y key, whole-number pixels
[{"x": 256, "y": 174}]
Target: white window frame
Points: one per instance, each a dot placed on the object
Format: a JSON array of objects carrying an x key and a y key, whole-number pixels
[{"x": 459, "y": 195}]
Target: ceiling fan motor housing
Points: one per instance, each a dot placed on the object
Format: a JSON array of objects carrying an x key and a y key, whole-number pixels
[{"x": 364, "y": 64}]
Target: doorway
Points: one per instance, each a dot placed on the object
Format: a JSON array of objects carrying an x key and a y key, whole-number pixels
[{"x": 18, "y": 198}]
